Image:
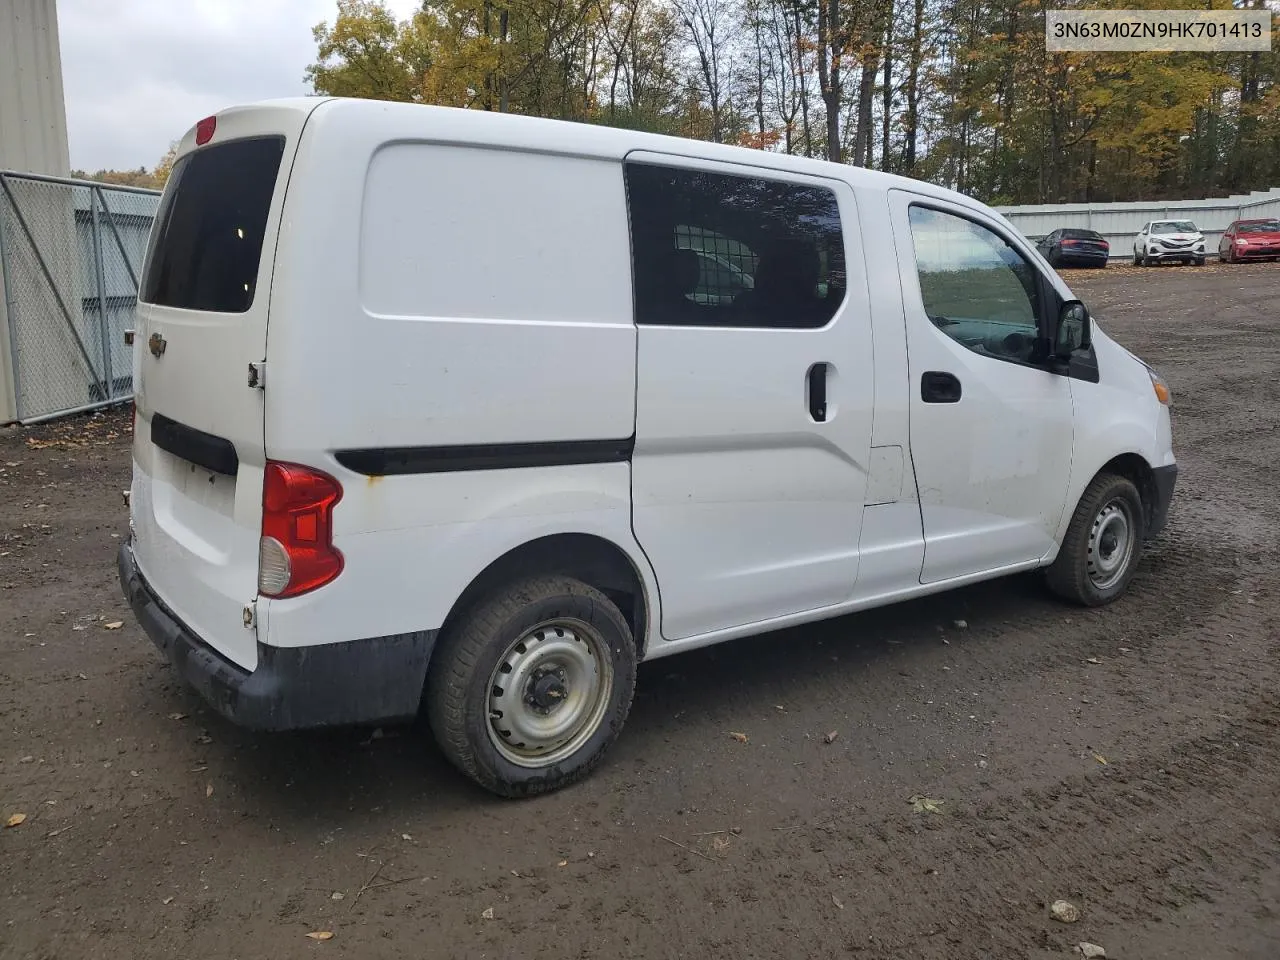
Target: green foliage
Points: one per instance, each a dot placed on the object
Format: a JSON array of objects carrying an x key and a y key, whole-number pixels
[{"x": 959, "y": 92}]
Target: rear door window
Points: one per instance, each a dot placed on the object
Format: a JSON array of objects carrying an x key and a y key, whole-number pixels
[{"x": 206, "y": 244}]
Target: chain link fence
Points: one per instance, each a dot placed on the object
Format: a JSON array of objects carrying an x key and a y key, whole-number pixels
[{"x": 71, "y": 253}]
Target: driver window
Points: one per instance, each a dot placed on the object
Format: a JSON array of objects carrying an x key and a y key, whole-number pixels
[{"x": 976, "y": 288}]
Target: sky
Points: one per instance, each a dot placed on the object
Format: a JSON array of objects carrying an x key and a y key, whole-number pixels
[{"x": 137, "y": 73}]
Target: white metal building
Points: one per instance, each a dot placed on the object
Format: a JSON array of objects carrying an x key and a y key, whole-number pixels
[{"x": 33, "y": 122}]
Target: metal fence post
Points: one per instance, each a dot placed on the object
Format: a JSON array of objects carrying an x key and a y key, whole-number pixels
[
  {"x": 103, "y": 326},
  {"x": 10, "y": 298}
]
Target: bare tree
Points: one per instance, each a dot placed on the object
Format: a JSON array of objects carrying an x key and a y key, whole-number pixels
[{"x": 711, "y": 25}]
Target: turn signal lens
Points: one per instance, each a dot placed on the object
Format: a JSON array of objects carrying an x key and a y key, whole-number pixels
[{"x": 1160, "y": 387}]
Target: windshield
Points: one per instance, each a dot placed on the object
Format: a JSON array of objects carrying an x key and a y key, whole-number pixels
[
  {"x": 1173, "y": 226},
  {"x": 1261, "y": 226}
]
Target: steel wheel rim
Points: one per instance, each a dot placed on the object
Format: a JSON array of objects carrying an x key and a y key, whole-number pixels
[
  {"x": 548, "y": 693},
  {"x": 1110, "y": 544}
]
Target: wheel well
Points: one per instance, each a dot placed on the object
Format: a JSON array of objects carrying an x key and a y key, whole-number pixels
[
  {"x": 593, "y": 560},
  {"x": 1138, "y": 471}
]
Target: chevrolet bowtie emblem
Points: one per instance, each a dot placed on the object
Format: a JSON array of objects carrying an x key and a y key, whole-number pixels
[{"x": 157, "y": 344}]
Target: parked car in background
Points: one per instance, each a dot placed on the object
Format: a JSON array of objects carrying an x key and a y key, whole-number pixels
[
  {"x": 1162, "y": 240},
  {"x": 1250, "y": 240},
  {"x": 1073, "y": 247}
]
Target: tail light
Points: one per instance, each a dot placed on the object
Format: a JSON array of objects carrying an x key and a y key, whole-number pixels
[
  {"x": 1069, "y": 243},
  {"x": 296, "y": 553}
]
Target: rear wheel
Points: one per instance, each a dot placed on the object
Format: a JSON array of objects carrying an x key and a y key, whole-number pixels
[
  {"x": 528, "y": 690},
  {"x": 1103, "y": 543}
]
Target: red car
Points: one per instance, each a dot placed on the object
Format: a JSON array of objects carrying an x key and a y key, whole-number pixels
[{"x": 1250, "y": 240}]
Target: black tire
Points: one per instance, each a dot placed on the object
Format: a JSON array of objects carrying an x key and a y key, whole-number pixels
[
  {"x": 1199, "y": 261},
  {"x": 1074, "y": 573},
  {"x": 466, "y": 657},
  {"x": 1137, "y": 260}
]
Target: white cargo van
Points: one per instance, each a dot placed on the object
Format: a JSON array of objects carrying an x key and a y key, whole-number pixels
[{"x": 471, "y": 413}]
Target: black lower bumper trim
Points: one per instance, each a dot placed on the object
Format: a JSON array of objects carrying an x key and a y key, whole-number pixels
[
  {"x": 374, "y": 680},
  {"x": 1163, "y": 481}
]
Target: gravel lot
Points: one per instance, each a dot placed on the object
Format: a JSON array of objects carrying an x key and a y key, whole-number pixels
[{"x": 1124, "y": 759}]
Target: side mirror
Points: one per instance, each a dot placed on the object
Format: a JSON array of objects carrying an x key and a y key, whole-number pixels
[{"x": 1072, "y": 330}]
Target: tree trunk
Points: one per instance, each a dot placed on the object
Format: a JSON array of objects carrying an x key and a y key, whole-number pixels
[
  {"x": 862, "y": 131},
  {"x": 911, "y": 122},
  {"x": 886, "y": 93},
  {"x": 804, "y": 86},
  {"x": 829, "y": 52}
]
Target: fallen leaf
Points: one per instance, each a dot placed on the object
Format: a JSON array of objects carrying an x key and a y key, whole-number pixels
[
  {"x": 487, "y": 914},
  {"x": 208, "y": 789},
  {"x": 1092, "y": 660},
  {"x": 405, "y": 836},
  {"x": 204, "y": 738},
  {"x": 337, "y": 895},
  {"x": 1064, "y": 911},
  {"x": 962, "y": 625},
  {"x": 27, "y": 759},
  {"x": 113, "y": 625},
  {"x": 320, "y": 935},
  {"x": 177, "y": 716},
  {"x": 925, "y": 804},
  {"x": 836, "y": 901},
  {"x": 720, "y": 844},
  {"x": 740, "y": 737},
  {"x": 16, "y": 820},
  {"x": 563, "y": 863},
  {"x": 830, "y": 737},
  {"x": 1100, "y": 758},
  {"x": 53, "y": 833},
  {"x": 167, "y": 900}
]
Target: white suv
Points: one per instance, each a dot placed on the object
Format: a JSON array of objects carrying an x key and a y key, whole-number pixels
[{"x": 1162, "y": 240}]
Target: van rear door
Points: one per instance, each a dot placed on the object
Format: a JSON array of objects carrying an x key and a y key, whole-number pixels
[{"x": 196, "y": 499}]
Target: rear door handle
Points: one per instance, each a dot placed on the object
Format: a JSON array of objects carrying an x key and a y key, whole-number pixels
[
  {"x": 939, "y": 387},
  {"x": 816, "y": 389}
]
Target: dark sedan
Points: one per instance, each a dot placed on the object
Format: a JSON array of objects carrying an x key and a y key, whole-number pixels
[
  {"x": 1071, "y": 247},
  {"x": 1250, "y": 240}
]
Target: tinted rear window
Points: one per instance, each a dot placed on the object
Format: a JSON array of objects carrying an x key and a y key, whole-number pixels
[
  {"x": 1081, "y": 235},
  {"x": 207, "y": 240}
]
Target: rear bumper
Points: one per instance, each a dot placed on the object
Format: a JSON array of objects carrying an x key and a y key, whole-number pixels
[
  {"x": 1163, "y": 481},
  {"x": 378, "y": 679},
  {"x": 1084, "y": 259}
]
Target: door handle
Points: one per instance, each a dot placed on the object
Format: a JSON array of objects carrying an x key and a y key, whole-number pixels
[
  {"x": 939, "y": 387},
  {"x": 816, "y": 390}
]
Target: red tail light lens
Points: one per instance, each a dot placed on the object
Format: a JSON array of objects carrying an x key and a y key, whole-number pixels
[{"x": 297, "y": 530}]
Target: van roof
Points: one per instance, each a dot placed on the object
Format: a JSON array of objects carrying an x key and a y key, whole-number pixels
[{"x": 514, "y": 131}]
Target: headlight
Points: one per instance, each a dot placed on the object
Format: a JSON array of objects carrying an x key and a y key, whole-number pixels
[
  {"x": 1160, "y": 387},
  {"x": 1242, "y": 243}
]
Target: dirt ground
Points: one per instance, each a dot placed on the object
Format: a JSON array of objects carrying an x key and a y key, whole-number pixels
[{"x": 1125, "y": 759}]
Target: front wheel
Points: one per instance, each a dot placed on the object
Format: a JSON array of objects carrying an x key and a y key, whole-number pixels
[
  {"x": 1103, "y": 544},
  {"x": 529, "y": 689},
  {"x": 1199, "y": 261}
]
